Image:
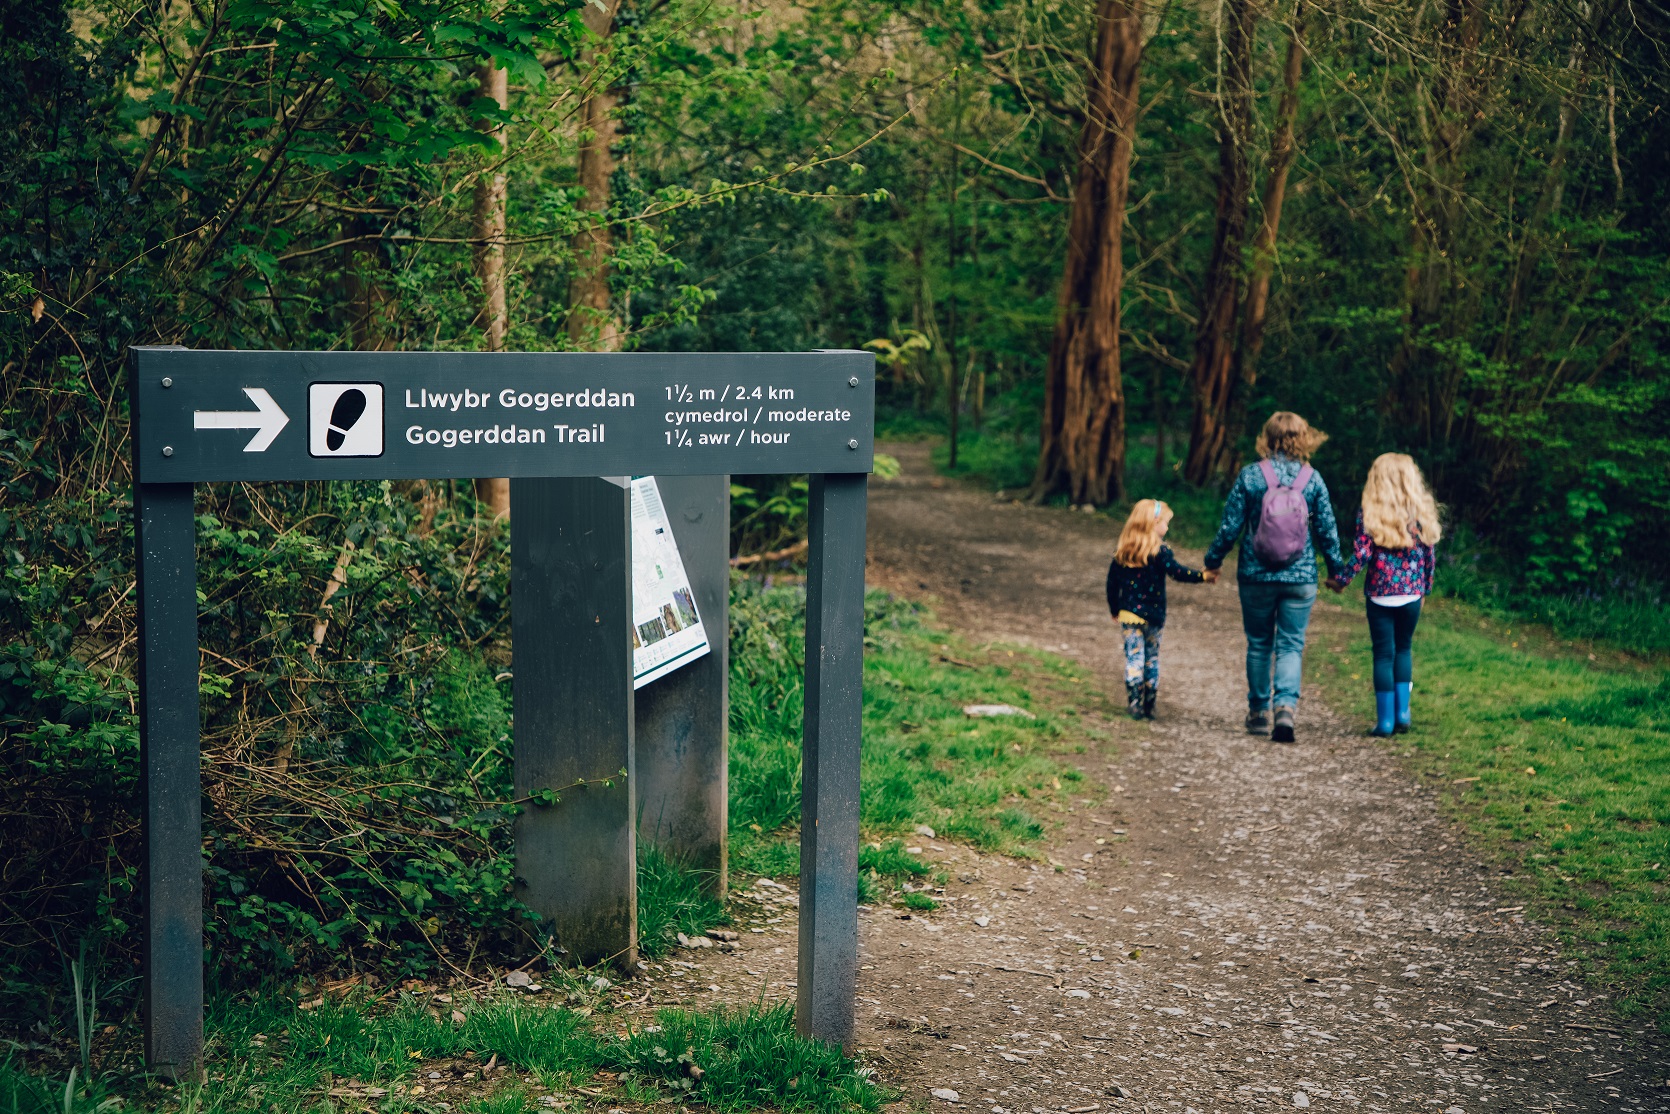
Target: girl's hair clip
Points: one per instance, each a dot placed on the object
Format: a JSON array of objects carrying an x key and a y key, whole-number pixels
[{"x": 1158, "y": 507}]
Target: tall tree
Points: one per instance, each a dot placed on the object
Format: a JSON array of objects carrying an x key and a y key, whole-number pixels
[
  {"x": 1422, "y": 391},
  {"x": 1223, "y": 389},
  {"x": 1082, "y": 450},
  {"x": 1212, "y": 372},
  {"x": 491, "y": 197},
  {"x": 591, "y": 319}
]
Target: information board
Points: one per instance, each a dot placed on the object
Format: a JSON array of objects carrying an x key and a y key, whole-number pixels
[
  {"x": 204, "y": 415},
  {"x": 667, "y": 632}
]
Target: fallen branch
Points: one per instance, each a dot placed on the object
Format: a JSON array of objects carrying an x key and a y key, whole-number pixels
[{"x": 794, "y": 550}]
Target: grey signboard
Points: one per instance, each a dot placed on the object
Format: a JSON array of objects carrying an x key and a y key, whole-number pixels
[
  {"x": 207, "y": 415},
  {"x": 546, "y": 420}
]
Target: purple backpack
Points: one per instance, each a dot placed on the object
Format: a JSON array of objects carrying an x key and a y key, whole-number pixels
[{"x": 1284, "y": 520}]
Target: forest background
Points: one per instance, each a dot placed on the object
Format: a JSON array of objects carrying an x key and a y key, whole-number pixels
[{"x": 1093, "y": 245}]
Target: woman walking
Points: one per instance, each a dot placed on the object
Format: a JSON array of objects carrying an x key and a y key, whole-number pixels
[
  {"x": 1280, "y": 513},
  {"x": 1396, "y": 530}
]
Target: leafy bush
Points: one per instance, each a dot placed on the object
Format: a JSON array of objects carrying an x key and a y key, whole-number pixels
[
  {"x": 356, "y": 764},
  {"x": 1629, "y": 612}
]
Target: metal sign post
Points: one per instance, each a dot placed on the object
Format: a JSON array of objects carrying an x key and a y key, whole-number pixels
[{"x": 554, "y": 423}]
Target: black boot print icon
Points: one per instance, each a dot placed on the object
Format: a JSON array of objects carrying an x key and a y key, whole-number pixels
[{"x": 350, "y": 406}]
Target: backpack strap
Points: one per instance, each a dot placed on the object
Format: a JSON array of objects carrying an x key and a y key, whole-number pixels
[
  {"x": 1270, "y": 480},
  {"x": 1303, "y": 478}
]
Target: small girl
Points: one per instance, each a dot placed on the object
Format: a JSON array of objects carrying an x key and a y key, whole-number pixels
[
  {"x": 1396, "y": 530},
  {"x": 1137, "y": 598}
]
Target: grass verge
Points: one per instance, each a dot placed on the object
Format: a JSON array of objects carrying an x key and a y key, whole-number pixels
[
  {"x": 500, "y": 1055},
  {"x": 989, "y": 782},
  {"x": 1632, "y": 615},
  {"x": 1558, "y": 761}
]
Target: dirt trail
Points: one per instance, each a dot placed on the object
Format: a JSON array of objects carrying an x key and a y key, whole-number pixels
[{"x": 1263, "y": 927}]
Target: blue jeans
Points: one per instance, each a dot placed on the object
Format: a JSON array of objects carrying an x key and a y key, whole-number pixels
[
  {"x": 1275, "y": 617},
  {"x": 1391, "y": 630}
]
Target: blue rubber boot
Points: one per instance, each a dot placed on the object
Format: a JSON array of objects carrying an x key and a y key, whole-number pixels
[
  {"x": 1383, "y": 722},
  {"x": 1403, "y": 721}
]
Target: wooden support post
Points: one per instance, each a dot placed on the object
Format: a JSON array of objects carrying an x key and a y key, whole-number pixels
[
  {"x": 170, "y": 779},
  {"x": 571, "y": 603},
  {"x": 681, "y": 729},
  {"x": 829, "y": 759}
]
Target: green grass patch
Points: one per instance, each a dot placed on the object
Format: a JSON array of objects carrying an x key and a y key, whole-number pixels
[
  {"x": 672, "y": 898},
  {"x": 271, "y": 1054},
  {"x": 997, "y": 459},
  {"x": 1560, "y": 765},
  {"x": 1632, "y": 616},
  {"x": 988, "y": 782}
]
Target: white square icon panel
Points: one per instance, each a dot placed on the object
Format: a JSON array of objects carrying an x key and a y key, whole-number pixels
[{"x": 345, "y": 419}]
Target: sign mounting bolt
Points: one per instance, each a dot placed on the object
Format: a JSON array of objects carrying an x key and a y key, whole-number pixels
[
  {"x": 853, "y": 444},
  {"x": 167, "y": 381},
  {"x": 853, "y": 382},
  {"x": 168, "y": 450}
]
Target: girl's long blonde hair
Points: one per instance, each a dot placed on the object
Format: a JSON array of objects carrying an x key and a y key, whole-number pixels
[
  {"x": 1140, "y": 539},
  {"x": 1396, "y": 500}
]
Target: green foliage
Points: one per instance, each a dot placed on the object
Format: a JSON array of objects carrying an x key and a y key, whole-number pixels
[
  {"x": 749, "y": 1058},
  {"x": 924, "y": 762},
  {"x": 672, "y": 898},
  {"x": 890, "y": 860},
  {"x": 357, "y": 783},
  {"x": 1562, "y": 768},
  {"x": 1626, "y": 611},
  {"x": 768, "y": 513},
  {"x": 272, "y": 1054}
]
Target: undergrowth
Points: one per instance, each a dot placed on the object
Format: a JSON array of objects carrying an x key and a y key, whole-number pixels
[
  {"x": 987, "y": 782},
  {"x": 500, "y": 1055},
  {"x": 1630, "y": 614}
]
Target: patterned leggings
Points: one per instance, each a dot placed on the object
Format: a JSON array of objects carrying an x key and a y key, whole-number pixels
[{"x": 1142, "y": 655}]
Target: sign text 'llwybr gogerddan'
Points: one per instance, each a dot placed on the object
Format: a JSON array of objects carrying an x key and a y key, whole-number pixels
[{"x": 205, "y": 416}]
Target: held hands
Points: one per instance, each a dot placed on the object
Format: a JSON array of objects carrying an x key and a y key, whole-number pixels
[
  {"x": 1336, "y": 585},
  {"x": 1210, "y": 576}
]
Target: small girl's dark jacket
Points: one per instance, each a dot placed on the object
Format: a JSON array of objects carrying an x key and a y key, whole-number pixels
[{"x": 1142, "y": 591}]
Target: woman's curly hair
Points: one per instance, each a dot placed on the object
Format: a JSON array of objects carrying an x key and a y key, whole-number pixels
[{"x": 1287, "y": 434}]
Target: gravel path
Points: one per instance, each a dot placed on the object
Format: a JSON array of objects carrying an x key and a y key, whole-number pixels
[{"x": 1245, "y": 926}]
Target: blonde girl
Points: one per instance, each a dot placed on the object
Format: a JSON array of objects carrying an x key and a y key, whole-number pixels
[
  {"x": 1137, "y": 598},
  {"x": 1396, "y": 530}
]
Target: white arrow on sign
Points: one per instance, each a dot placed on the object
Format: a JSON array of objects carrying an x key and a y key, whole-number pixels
[{"x": 267, "y": 418}]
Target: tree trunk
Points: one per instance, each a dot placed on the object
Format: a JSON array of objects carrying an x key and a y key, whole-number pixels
[
  {"x": 1416, "y": 392},
  {"x": 1212, "y": 373},
  {"x": 953, "y": 383},
  {"x": 591, "y": 320},
  {"x": 1255, "y": 310},
  {"x": 1082, "y": 453},
  {"x": 491, "y": 194}
]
